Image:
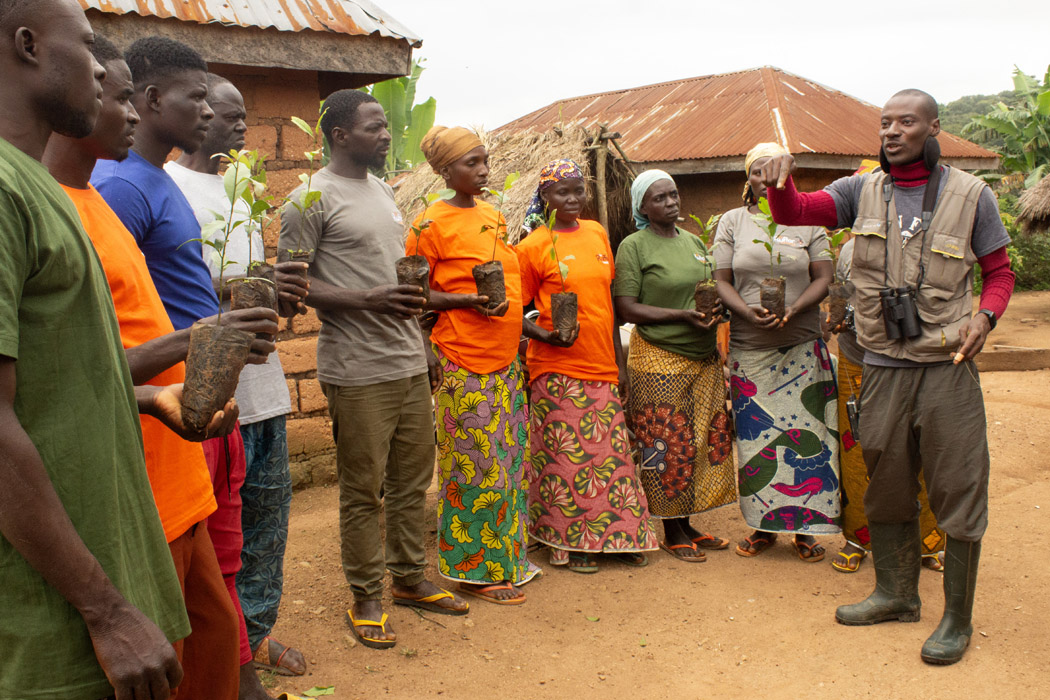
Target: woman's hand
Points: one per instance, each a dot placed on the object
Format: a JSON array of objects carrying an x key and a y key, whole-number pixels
[
  {"x": 760, "y": 318},
  {"x": 789, "y": 312},
  {"x": 556, "y": 339},
  {"x": 704, "y": 322}
]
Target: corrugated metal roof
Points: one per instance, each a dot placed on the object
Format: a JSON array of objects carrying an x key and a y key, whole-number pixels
[
  {"x": 720, "y": 116},
  {"x": 354, "y": 17}
]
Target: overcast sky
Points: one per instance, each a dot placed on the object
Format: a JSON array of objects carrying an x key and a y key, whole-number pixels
[{"x": 491, "y": 62}]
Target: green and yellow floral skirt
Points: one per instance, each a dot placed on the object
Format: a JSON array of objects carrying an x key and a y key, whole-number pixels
[
  {"x": 483, "y": 443},
  {"x": 585, "y": 496}
]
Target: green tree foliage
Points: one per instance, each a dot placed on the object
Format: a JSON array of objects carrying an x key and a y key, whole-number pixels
[
  {"x": 956, "y": 115},
  {"x": 1024, "y": 127},
  {"x": 408, "y": 122}
]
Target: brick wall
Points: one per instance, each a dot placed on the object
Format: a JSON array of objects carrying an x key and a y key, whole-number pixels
[{"x": 270, "y": 98}]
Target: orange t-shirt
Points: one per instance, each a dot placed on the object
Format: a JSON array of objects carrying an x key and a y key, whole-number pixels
[
  {"x": 591, "y": 271},
  {"x": 453, "y": 244},
  {"x": 177, "y": 471}
]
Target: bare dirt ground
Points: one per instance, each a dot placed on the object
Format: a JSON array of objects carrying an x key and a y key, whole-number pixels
[{"x": 728, "y": 628}]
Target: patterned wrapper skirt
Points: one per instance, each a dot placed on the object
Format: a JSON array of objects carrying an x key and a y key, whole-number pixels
[
  {"x": 676, "y": 407},
  {"x": 855, "y": 476},
  {"x": 786, "y": 410},
  {"x": 483, "y": 444},
  {"x": 585, "y": 495}
]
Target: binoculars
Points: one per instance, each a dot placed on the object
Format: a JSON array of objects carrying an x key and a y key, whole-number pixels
[{"x": 899, "y": 314}]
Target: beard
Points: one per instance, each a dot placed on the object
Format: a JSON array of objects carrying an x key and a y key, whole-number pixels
[{"x": 66, "y": 119}]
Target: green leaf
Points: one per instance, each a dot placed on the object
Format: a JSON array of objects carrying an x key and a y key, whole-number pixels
[
  {"x": 593, "y": 619},
  {"x": 319, "y": 690},
  {"x": 564, "y": 270},
  {"x": 511, "y": 179},
  {"x": 303, "y": 126},
  {"x": 422, "y": 120}
]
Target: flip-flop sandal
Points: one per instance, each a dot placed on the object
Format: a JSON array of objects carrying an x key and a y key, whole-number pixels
[
  {"x": 483, "y": 591},
  {"x": 933, "y": 562},
  {"x": 369, "y": 641},
  {"x": 636, "y": 559},
  {"x": 261, "y": 659},
  {"x": 289, "y": 696},
  {"x": 673, "y": 550},
  {"x": 757, "y": 545},
  {"x": 849, "y": 567},
  {"x": 708, "y": 541},
  {"x": 809, "y": 557},
  {"x": 582, "y": 563},
  {"x": 430, "y": 603}
]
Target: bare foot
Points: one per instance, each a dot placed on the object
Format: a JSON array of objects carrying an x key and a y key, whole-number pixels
[
  {"x": 424, "y": 589},
  {"x": 372, "y": 610},
  {"x": 251, "y": 688}
]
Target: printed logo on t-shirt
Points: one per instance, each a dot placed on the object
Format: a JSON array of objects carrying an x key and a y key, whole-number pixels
[
  {"x": 602, "y": 258},
  {"x": 793, "y": 241},
  {"x": 396, "y": 215}
]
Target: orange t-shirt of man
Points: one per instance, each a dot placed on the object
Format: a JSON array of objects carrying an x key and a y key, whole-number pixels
[
  {"x": 177, "y": 471},
  {"x": 453, "y": 244},
  {"x": 589, "y": 257}
]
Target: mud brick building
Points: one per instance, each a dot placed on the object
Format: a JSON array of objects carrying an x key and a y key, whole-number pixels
[{"x": 285, "y": 56}]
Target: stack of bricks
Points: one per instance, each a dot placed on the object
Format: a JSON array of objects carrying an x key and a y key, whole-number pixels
[{"x": 270, "y": 100}]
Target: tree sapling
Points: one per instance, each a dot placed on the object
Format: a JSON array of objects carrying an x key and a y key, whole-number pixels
[{"x": 489, "y": 276}]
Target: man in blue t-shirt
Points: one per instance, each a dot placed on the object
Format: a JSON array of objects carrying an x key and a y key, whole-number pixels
[{"x": 171, "y": 92}]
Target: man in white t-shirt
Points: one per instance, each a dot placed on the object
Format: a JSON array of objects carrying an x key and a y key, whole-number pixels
[{"x": 261, "y": 393}]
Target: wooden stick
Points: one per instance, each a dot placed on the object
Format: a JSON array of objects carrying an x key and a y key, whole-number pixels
[{"x": 603, "y": 204}]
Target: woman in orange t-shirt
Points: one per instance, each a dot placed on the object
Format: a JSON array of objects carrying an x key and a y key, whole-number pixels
[
  {"x": 585, "y": 495},
  {"x": 482, "y": 417}
]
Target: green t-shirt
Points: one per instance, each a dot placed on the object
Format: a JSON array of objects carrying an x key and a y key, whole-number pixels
[
  {"x": 663, "y": 272},
  {"x": 75, "y": 400}
]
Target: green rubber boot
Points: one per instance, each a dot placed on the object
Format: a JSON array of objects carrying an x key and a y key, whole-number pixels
[
  {"x": 895, "y": 550},
  {"x": 948, "y": 642}
]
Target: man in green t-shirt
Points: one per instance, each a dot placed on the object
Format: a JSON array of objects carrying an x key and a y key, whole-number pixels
[{"x": 87, "y": 588}]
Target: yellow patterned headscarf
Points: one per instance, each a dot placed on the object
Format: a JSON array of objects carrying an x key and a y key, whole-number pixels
[
  {"x": 761, "y": 150},
  {"x": 444, "y": 146}
]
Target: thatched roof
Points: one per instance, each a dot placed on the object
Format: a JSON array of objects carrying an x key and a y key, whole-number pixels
[
  {"x": 527, "y": 153},
  {"x": 1035, "y": 207}
]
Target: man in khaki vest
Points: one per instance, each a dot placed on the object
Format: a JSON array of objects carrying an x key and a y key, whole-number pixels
[{"x": 921, "y": 406}]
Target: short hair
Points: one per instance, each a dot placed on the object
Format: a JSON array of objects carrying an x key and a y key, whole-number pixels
[
  {"x": 13, "y": 11},
  {"x": 933, "y": 111},
  {"x": 105, "y": 50},
  {"x": 160, "y": 57},
  {"x": 340, "y": 109},
  {"x": 215, "y": 80}
]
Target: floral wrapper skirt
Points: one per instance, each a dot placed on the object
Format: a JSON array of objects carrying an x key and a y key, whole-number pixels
[
  {"x": 585, "y": 495},
  {"x": 483, "y": 443}
]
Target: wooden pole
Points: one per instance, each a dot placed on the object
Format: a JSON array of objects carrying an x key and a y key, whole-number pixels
[{"x": 599, "y": 155}]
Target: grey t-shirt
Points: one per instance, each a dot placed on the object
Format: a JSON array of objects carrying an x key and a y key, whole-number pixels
[
  {"x": 797, "y": 246},
  {"x": 988, "y": 233},
  {"x": 357, "y": 233}
]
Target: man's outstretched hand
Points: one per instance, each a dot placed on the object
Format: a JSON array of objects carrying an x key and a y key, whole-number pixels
[
  {"x": 165, "y": 404},
  {"x": 777, "y": 170}
]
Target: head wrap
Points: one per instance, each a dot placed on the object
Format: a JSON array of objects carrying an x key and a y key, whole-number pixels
[
  {"x": 444, "y": 146},
  {"x": 555, "y": 171},
  {"x": 761, "y": 150},
  {"x": 639, "y": 187}
]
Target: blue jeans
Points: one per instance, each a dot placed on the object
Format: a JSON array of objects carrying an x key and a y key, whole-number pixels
[{"x": 267, "y": 498}]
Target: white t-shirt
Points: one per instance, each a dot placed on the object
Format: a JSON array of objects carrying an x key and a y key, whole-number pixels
[{"x": 261, "y": 392}]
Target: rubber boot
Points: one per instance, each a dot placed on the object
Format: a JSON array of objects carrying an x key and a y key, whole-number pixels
[
  {"x": 948, "y": 642},
  {"x": 895, "y": 549}
]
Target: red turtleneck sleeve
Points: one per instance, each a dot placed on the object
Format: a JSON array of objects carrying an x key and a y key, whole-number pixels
[
  {"x": 997, "y": 281},
  {"x": 793, "y": 208}
]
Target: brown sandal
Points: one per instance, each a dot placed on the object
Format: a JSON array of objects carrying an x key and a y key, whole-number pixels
[
  {"x": 757, "y": 545},
  {"x": 673, "y": 550},
  {"x": 708, "y": 541},
  {"x": 810, "y": 557}
]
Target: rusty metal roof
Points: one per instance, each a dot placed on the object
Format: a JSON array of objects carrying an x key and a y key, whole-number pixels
[
  {"x": 723, "y": 116},
  {"x": 353, "y": 17}
]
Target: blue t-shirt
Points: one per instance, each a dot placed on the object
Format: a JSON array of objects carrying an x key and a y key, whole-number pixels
[{"x": 157, "y": 214}]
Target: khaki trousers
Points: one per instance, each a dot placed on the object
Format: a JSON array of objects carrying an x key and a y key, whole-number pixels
[
  {"x": 384, "y": 435},
  {"x": 929, "y": 419}
]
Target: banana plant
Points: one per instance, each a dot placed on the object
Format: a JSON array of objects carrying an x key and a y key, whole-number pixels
[{"x": 407, "y": 122}]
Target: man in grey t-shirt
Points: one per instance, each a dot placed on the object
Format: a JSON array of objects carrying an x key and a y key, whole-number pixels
[{"x": 372, "y": 366}]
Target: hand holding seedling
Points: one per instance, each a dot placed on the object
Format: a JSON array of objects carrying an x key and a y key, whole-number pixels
[
  {"x": 166, "y": 406},
  {"x": 702, "y": 321},
  {"x": 482, "y": 309},
  {"x": 758, "y": 316},
  {"x": 557, "y": 339},
  {"x": 401, "y": 300},
  {"x": 292, "y": 287}
]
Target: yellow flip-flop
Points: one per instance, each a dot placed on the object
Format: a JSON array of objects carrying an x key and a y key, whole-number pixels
[
  {"x": 430, "y": 603},
  {"x": 369, "y": 641},
  {"x": 850, "y": 567}
]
